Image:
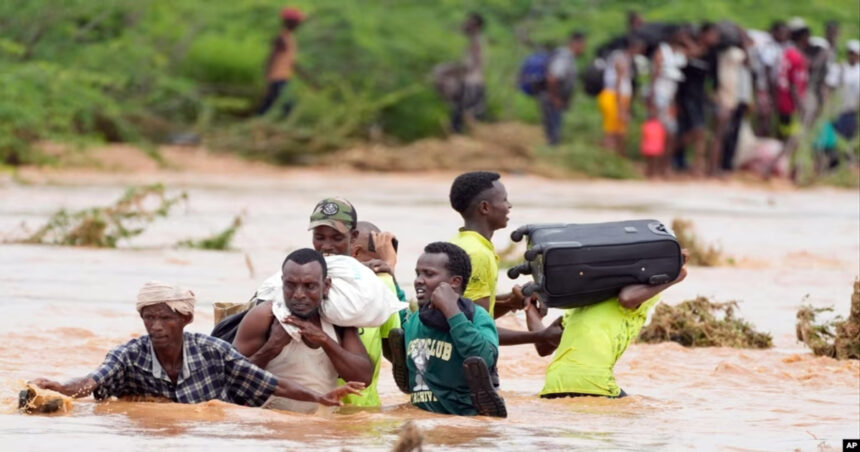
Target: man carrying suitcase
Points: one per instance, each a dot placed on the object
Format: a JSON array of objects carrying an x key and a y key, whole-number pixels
[{"x": 589, "y": 340}]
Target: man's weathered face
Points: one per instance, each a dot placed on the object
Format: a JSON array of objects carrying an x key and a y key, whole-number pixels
[
  {"x": 304, "y": 288},
  {"x": 164, "y": 325},
  {"x": 329, "y": 241},
  {"x": 498, "y": 206},
  {"x": 430, "y": 271}
]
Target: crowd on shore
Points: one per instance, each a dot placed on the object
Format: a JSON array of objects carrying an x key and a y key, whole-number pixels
[{"x": 717, "y": 96}]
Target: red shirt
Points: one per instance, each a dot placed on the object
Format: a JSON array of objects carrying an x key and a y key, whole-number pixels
[{"x": 792, "y": 72}]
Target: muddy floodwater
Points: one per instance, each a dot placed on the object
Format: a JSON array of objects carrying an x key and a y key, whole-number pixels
[{"x": 63, "y": 308}]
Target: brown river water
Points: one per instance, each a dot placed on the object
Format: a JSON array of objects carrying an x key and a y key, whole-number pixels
[{"x": 63, "y": 308}]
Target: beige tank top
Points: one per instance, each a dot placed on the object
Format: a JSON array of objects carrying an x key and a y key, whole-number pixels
[{"x": 310, "y": 367}]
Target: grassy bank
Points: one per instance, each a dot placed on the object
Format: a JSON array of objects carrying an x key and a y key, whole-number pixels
[{"x": 149, "y": 71}]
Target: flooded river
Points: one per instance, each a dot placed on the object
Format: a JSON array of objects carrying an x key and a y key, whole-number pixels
[{"x": 64, "y": 308}]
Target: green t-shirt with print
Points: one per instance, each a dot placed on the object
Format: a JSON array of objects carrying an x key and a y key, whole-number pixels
[{"x": 435, "y": 360}]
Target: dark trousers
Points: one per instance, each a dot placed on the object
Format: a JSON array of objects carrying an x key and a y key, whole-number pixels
[
  {"x": 273, "y": 92},
  {"x": 552, "y": 118},
  {"x": 730, "y": 138},
  {"x": 470, "y": 101}
]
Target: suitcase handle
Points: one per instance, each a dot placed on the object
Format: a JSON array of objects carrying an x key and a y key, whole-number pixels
[
  {"x": 659, "y": 228},
  {"x": 517, "y": 270},
  {"x": 530, "y": 288},
  {"x": 527, "y": 229}
]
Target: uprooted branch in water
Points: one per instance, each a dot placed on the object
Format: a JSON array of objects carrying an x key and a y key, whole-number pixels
[
  {"x": 706, "y": 255},
  {"x": 105, "y": 226},
  {"x": 219, "y": 241},
  {"x": 836, "y": 338},
  {"x": 703, "y": 323}
]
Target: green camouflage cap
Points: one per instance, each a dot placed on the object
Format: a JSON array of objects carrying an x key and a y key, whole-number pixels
[{"x": 337, "y": 213}]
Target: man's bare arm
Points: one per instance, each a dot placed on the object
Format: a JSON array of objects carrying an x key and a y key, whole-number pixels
[
  {"x": 350, "y": 359},
  {"x": 79, "y": 387},
  {"x": 251, "y": 338}
]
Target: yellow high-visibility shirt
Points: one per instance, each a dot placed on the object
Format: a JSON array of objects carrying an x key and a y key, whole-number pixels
[
  {"x": 593, "y": 340},
  {"x": 372, "y": 340},
  {"x": 485, "y": 266}
]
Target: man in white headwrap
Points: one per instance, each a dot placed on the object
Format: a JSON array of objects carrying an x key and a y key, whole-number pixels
[
  {"x": 181, "y": 366},
  {"x": 176, "y": 298}
]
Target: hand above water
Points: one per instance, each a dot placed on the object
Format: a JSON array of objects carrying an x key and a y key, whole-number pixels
[
  {"x": 333, "y": 397},
  {"x": 44, "y": 383}
]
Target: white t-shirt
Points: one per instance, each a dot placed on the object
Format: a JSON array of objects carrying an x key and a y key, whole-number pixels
[
  {"x": 562, "y": 67},
  {"x": 610, "y": 75},
  {"x": 847, "y": 78}
]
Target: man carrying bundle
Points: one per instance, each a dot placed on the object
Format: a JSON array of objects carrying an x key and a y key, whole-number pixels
[
  {"x": 317, "y": 352},
  {"x": 184, "y": 367},
  {"x": 335, "y": 235}
]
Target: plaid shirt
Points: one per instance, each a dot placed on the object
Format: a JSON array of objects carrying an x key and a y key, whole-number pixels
[{"x": 211, "y": 369}]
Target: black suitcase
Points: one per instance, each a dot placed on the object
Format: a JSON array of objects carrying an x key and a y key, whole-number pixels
[{"x": 577, "y": 265}]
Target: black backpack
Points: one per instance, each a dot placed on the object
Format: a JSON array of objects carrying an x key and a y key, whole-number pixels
[{"x": 592, "y": 76}]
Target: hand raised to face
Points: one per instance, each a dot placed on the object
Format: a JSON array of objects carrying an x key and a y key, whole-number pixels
[
  {"x": 312, "y": 334},
  {"x": 444, "y": 298}
]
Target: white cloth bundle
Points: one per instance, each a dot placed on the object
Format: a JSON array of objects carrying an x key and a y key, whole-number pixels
[{"x": 357, "y": 296}]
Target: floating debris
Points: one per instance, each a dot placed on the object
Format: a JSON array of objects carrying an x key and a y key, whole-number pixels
[
  {"x": 103, "y": 227},
  {"x": 837, "y": 338},
  {"x": 34, "y": 399},
  {"x": 700, "y": 253},
  {"x": 703, "y": 323},
  {"x": 409, "y": 438}
]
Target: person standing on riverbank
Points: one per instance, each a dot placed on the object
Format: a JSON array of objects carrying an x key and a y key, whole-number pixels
[
  {"x": 470, "y": 101},
  {"x": 561, "y": 73},
  {"x": 281, "y": 64}
]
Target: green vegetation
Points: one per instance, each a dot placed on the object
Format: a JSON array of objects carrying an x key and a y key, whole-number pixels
[
  {"x": 145, "y": 71},
  {"x": 703, "y": 323},
  {"x": 219, "y": 241},
  {"x": 699, "y": 253},
  {"x": 106, "y": 226},
  {"x": 838, "y": 338}
]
